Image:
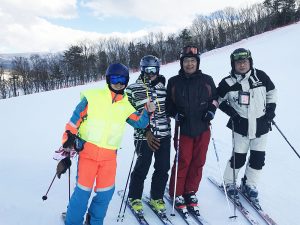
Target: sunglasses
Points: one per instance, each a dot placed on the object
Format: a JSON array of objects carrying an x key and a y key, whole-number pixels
[
  {"x": 190, "y": 50},
  {"x": 116, "y": 79},
  {"x": 151, "y": 70},
  {"x": 241, "y": 55}
]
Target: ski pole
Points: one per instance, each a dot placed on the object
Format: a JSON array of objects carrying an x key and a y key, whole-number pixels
[
  {"x": 45, "y": 196},
  {"x": 123, "y": 197},
  {"x": 154, "y": 117},
  {"x": 138, "y": 147},
  {"x": 218, "y": 162},
  {"x": 176, "y": 170},
  {"x": 138, "y": 151},
  {"x": 233, "y": 171},
  {"x": 69, "y": 184},
  {"x": 273, "y": 122},
  {"x": 69, "y": 180}
]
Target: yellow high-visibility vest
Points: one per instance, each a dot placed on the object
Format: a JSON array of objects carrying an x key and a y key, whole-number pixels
[{"x": 105, "y": 122}]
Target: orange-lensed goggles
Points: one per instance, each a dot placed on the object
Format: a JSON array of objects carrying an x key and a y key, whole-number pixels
[{"x": 190, "y": 50}]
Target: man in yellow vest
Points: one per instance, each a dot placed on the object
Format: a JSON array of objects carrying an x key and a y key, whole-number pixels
[{"x": 99, "y": 121}]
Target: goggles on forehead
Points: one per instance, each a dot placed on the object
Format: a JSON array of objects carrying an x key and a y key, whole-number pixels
[
  {"x": 115, "y": 79},
  {"x": 190, "y": 50},
  {"x": 151, "y": 70},
  {"x": 241, "y": 55}
]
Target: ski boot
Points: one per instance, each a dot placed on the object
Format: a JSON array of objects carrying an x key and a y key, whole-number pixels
[
  {"x": 158, "y": 205},
  {"x": 251, "y": 193},
  {"x": 136, "y": 205},
  {"x": 192, "y": 203},
  {"x": 232, "y": 191},
  {"x": 179, "y": 202}
]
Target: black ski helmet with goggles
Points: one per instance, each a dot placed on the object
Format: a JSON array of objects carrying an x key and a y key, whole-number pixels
[
  {"x": 190, "y": 51},
  {"x": 150, "y": 65},
  {"x": 240, "y": 54}
]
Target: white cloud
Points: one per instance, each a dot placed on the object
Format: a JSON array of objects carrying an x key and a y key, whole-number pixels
[
  {"x": 24, "y": 25},
  {"x": 164, "y": 12},
  {"x": 44, "y": 8},
  {"x": 42, "y": 36}
]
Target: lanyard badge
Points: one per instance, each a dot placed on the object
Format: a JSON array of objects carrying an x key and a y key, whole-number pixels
[{"x": 244, "y": 98}]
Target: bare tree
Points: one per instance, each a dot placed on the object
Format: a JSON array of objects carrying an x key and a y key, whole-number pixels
[
  {"x": 172, "y": 48},
  {"x": 21, "y": 69},
  {"x": 160, "y": 46},
  {"x": 231, "y": 20},
  {"x": 3, "y": 83},
  {"x": 199, "y": 29}
]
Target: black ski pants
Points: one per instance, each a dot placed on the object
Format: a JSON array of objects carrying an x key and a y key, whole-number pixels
[{"x": 142, "y": 165}]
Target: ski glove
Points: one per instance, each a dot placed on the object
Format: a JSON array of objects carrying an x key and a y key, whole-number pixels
[
  {"x": 63, "y": 166},
  {"x": 210, "y": 113},
  {"x": 152, "y": 141},
  {"x": 270, "y": 112},
  {"x": 69, "y": 139},
  {"x": 73, "y": 141},
  {"x": 230, "y": 111},
  {"x": 150, "y": 106}
]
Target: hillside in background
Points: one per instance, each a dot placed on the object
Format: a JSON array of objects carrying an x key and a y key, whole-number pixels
[{"x": 32, "y": 126}]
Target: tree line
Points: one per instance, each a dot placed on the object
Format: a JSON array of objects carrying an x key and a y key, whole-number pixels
[{"x": 87, "y": 61}]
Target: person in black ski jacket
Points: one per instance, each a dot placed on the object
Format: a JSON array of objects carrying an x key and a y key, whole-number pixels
[
  {"x": 192, "y": 101},
  {"x": 155, "y": 140},
  {"x": 248, "y": 96}
]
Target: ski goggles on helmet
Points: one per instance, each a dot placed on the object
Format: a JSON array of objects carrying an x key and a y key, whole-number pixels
[
  {"x": 241, "y": 55},
  {"x": 190, "y": 50},
  {"x": 118, "y": 79},
  {"x": 151, "y": 70}
]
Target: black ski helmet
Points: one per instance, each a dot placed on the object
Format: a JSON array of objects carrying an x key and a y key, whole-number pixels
[
  {"x": 150, "y": 61},
  {"x": 190, "y": 51},
  {"x": 117, "y": 69},
  {"x": 239, "y": 54}
]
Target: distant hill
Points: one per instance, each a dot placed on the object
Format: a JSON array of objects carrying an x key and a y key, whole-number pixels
[
  {"x": 6, "y": 63},
  {"x": 6, "y": 59}
]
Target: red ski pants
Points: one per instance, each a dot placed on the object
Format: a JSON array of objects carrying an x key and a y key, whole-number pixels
[{"x": 192, "y": 156}]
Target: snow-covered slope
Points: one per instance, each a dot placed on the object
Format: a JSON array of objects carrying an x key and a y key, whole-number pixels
[{"x": 31, "y": 129}]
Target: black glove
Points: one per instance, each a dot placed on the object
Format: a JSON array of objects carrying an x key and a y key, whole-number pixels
[
  {"x": 74, "y": 141},
  {"x": 270, "y": 112},
  {"x": 63, "y": 166},
  {"x": 231, "y": 112},
  {"x": 152, "y": 141},
  {"x": 69, "y": 143},
  {"x": 210, "y": 113},
  {"x": 234, "y": 115},
  {"x": 180, "y": 117}
]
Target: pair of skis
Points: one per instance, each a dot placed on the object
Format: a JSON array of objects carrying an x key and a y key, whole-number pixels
[
  {"x": 185, "y": 214},
  {"x": 252, "y": 220},
  {"x": 140, "y": 216}
]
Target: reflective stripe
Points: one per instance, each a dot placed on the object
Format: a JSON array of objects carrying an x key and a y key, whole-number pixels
[
  {"x": 105, "y": 189},
  {"x": 83, "y": 187}
]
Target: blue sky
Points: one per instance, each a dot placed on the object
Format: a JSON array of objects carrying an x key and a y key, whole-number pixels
[
  {"x": 50, "y": 26},
  {"x": 87, "y": 21}
]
